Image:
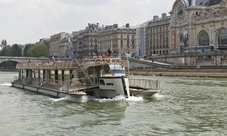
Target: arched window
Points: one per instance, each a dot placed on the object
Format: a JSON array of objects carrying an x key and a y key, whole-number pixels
[
  {"x": 204, "y": 39},
  {"x": 222, "y": 37},
  {"x": 181, "y": 38}
]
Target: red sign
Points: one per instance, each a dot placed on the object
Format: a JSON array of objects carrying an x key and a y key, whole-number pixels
[{"x": 173, "y": 40}]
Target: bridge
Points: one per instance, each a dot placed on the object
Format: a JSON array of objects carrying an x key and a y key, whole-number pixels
[
  {"x": 142, "y": 63},
  {"x": 21, "y": 59},
  {"x": 148, "y": 64},
  {"x": 134, "y": 63}
]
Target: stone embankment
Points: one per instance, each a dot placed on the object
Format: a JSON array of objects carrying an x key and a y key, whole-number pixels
[{"x": 180, "y": 73}]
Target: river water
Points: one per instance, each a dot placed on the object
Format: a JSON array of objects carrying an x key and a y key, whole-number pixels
[{"x": 185, "y": 106}]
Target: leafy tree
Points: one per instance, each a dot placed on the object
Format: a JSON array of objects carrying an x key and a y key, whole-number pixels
[
  {"x": 6, "y": 51},
  {"x": 16, "y": 51},
  {"x": 38, "y": 50},
  {"x": 27, "y": 46},
  {"x": 4, "y": 42}
]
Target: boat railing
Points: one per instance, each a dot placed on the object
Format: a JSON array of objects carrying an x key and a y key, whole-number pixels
[
  {"x": 101, "y": 61},
  {"x": 109, "y": 61},
  {"x": 76, "y": 84},
  {"x": 145, "y": 83},
  {"x": 48, "y": 65}
]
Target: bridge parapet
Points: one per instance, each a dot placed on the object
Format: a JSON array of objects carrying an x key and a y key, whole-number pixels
[{"x": 21, "y": 59}]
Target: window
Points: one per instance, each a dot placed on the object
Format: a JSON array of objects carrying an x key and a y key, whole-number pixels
[
  {"x": 204, "y": 39},
  {"x": 101, "y": 82},
  {"x": 222, "y": 37},
  {"x": 181, "y": 38}
]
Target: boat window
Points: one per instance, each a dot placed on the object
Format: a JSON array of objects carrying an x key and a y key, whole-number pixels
[
  {"x": 117, "y": 71},
  {"x": 110, "y": 84},
  {"x": 101, "y": 82}
]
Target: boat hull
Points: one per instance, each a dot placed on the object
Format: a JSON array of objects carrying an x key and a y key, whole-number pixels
[
  {"x": 40, "y": 90},
  {"x": 144, "y": 93}
]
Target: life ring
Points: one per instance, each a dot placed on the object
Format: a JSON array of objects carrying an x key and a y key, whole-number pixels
[
  {"x": 45, "y": 64},
  {"x": 122, "y": 64},
  {"x": 78, "y": 85}
]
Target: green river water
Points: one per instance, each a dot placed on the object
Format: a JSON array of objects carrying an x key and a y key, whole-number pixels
[{"x": 184, "y": 107}]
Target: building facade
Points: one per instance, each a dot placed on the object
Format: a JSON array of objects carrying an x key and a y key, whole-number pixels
[
  {"x": 85, "y": 41},
  {"x": 118, "y": 39},
  {"x": 65, "y": 47},
  {"x": 56, "y": 44},
  {"x": 198, "y": 23},
  {"x": 142, "y": 39},
  {"x": 158, "y": 35},
  {"x": 96, "y": 39}
]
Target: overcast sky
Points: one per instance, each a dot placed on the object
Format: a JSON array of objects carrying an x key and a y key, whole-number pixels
[{"x": 27, "y": 21}]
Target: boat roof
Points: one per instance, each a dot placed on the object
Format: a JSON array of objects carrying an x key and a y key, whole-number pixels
[{"x": 70, "y": 64}]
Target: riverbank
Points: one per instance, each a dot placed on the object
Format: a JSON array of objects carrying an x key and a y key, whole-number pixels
[{"x": 202, "y": 73}]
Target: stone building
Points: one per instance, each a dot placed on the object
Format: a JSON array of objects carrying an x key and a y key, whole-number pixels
[
  {"x": 65, "y": 47},
  {"x": 85, "y": 41},
  {"x": 119, "y": 39},
  {"x": 96, "y": 39},
  {"x": 142, "y": 39},
  {"x": 198, "y": 23},
  {"x": 195, "y": 25},
  {"x": 55, "y": 42},
  {"x": 158, "y": 35}
]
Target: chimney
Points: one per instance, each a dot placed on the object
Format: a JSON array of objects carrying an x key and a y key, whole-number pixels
[
  {"x": 115, "y": 26},
  {"x": 97, "y": 24},
  {"x": 164, "y": 16},
  {"x": 89, "y": 24},
  {"x": 127, "y": 25},
  {"x": 155, "y": 18}
]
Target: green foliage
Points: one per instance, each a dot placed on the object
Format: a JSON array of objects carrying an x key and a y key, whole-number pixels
[
  {"x": 14, "y": 50},
  {"x": 6, "y": 51},
  {"x": 38, "y": 50},
  {"x": 4, "y": 42},
  {"x": 27, "y": 46}
]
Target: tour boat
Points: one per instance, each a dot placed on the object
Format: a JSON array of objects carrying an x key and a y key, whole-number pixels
[{"x": 105, "y": 78}]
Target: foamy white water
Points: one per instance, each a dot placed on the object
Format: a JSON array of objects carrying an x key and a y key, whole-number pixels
[
  {"x": 71, "y": 98},
  {"x": 100, "y": 100},
  {"x": 6, "y": 84},
  {"x": 157, "y": 95}
]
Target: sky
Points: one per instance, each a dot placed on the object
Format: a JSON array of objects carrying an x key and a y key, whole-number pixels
[{"x": 27, "y": 21}]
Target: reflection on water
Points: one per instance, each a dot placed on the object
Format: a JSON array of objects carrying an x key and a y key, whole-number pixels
[{"x": 185, "y": 106}]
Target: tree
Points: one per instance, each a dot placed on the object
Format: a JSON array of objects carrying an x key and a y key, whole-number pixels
[
  {"x": 6, "y": 51},
  {"x": 4, "y": 42},
  {"x": 27, "y": 46},
  {"x": 38, "y": 50},
  {"x": 16, "y": 51}
]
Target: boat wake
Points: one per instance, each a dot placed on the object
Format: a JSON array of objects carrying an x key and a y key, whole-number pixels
[
  {"x": 94, "y": 99},
  {"x": 119, "y": 98},
  {"x": 70, "y": 98},
  {"x": 157, "y": 95},
  {"x": 6, "y": 84}
]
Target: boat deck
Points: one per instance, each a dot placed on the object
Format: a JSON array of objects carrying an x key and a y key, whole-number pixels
[{"x": 82, "y": 89}]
